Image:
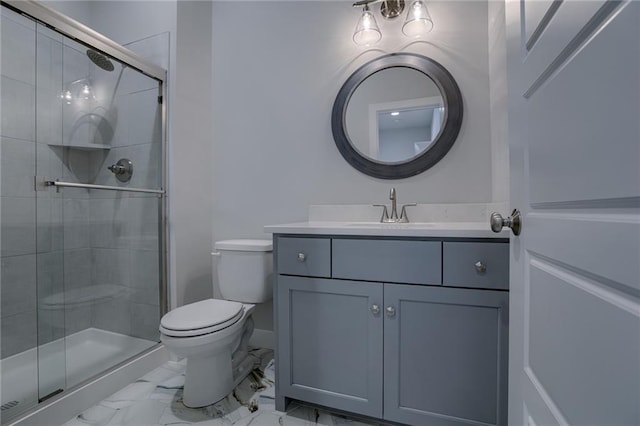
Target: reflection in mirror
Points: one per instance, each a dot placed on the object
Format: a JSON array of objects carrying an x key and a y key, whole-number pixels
[
  {"x": 403, "y": 133},
  {"x": 394, "y": 115}
]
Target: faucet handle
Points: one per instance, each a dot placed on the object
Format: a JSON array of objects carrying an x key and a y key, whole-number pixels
[
  {"x": 403, "y": 213},
  {"x": 385, "y": 213}
]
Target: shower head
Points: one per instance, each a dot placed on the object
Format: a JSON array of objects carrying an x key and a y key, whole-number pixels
[{"x": 100, "y": 60}]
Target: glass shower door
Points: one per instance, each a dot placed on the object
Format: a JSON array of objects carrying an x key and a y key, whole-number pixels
[
  {"x": 99, "y": 140},
  {"x": 49, "y": 232},
  {"x": 17, "y": 215}
]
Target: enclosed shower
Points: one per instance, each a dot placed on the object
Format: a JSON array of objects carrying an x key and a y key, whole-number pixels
[{"x": 82, "y": 206}]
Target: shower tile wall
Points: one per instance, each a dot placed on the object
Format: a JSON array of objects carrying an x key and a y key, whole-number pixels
[
  {"x": 18, "y": 207},
  {"x": 83, "y": 238}
]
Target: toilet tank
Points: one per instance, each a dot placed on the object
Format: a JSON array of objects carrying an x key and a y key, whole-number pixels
[{"x": 245, "y": 270}]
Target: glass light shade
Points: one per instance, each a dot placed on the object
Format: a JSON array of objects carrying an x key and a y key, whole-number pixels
[
  {"x": 81, "y": 89},
  {"x": 418, "y": 20},
  {"x": 367, "y": 31}
]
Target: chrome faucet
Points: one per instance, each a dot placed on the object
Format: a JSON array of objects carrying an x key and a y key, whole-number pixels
[{"x": 394, "y": 210}]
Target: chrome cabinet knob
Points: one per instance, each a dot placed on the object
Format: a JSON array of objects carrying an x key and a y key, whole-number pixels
[
  {"x": 514, "y": 222},
  {"x": 302, "y": 257},
  {"x": 480, "y": 266},
  {"x": 391, "y": 311},
  {"x": 375, "y": 309}
]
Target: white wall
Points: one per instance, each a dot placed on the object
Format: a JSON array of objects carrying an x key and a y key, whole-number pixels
[
  {"x": 498, "y": 101},
  {"x": 277, "y": 67},
  {"x": 192, "y": 152}
]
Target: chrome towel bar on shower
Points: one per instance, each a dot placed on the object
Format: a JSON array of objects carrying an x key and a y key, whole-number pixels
[{"x": 56, "y": 183}]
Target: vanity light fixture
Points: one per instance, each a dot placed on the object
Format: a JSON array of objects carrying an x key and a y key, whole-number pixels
[
  {"x": 418, "y": 20},
  {"x": 367, "y": 31},
  {"x": 417, "y": 23},
  {"x": 394, "y": 113}
]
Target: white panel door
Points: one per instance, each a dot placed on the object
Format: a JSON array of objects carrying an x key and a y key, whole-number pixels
[{"x": 574, "y": 135}]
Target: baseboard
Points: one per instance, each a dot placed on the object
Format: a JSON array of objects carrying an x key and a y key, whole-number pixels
[{"x": 263, "y": 339}]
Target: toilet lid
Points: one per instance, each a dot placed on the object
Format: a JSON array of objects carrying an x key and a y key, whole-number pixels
[{"x": 201, "y": 317}]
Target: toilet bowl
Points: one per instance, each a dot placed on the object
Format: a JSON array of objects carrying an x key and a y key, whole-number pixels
[{"x": 213, "y": 334}]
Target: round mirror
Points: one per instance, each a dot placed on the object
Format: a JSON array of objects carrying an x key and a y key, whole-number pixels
[{"x": 397, "y": 115}]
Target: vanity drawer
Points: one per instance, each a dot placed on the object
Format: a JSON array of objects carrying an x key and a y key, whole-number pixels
[
  {"x": 461, "y": 267},
  {"x": 309, "y": 257},
  {"x": 412, "y": 262}
]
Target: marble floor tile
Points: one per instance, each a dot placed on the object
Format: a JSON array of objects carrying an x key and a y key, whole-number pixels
[
  {"x": 156, "y": 400},
  {"x": 97, "y": 415},
  {"x": 161, "y": 374}
]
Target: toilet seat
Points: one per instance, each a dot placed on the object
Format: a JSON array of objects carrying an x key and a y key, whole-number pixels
[{"x": 199, "y": 318}]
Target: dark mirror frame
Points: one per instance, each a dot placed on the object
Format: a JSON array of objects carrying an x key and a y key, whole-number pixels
[{"x": 452, "y": 120}]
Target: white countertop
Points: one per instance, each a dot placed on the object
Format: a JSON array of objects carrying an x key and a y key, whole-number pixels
[{"x": 416, "y": 229}]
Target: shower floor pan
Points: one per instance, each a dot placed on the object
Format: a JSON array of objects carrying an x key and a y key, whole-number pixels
[{"x": 81, "y": 355}]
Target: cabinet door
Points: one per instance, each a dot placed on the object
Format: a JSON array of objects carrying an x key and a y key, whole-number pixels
[
  {"x": 330, "y": 343},
  {"x": 445, "y": 355}
]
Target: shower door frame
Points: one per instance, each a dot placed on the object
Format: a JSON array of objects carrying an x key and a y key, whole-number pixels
[{"x": 91, "y": 38}]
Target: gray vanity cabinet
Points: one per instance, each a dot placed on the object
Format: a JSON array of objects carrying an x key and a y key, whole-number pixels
[
  {"x": 445, "y": 356},
  {"x": 329, "y": 343},
  {"x": 399, "y": 343}
]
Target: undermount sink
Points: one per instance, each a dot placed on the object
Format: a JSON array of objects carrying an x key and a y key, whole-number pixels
[{"x": 390, "y": 225}]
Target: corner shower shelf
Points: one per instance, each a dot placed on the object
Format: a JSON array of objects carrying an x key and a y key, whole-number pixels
[
  {"x": 83, "y": 296},
  {"x": 82, "y": 147}
]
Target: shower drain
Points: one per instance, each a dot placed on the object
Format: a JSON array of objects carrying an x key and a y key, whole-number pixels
[{"x": 9, "y": 405}]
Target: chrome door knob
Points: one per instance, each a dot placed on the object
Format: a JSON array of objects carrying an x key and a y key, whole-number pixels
[
  {"x": 480, "y": 266},
  {"x": 375, "y": 309},
  {"x": 302, "y": 257},
  {"x": 391, "y": 311},
  {"x": 514, "y": 222}
]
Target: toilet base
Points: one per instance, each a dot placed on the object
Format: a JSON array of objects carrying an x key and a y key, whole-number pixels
[
  {"x": 243, "y": 369},
  {"x": 211, "y": 379},
  {"x": 212, "y": 375}
]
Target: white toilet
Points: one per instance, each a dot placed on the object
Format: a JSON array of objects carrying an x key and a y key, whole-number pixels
[{"x": 213, "y": 334}]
